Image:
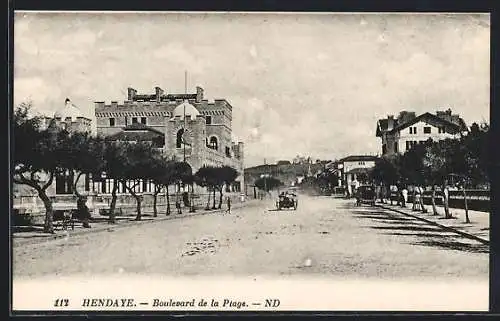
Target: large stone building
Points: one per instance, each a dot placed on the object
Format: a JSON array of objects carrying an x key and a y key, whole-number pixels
[
  {"x": 400, "y": 134},
  {"x": 185, "y": 126}
]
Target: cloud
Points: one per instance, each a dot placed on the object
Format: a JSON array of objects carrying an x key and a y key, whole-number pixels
[
  {"x": 177, "y": 54},
  {"x": 297, "y": 83},
  {"x": 35, "y": 89}
]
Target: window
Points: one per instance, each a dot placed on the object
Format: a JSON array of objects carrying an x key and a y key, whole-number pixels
[
  {"x": 134, "y": 120},
  {"x": 395, "y": 147},
  {"x": 361, "y": 163},
  {"x": 427, "y": 130},
  {"x": 64, "y": 183},
  {"x": 228, "y": 151},
  {"x": 213, "y": 143},
  {"x": 178, "y": 143},
  {"x": 208, "y": 120},
  {"x": 126, "y": 120},
  {"x": 441, "y": 130},
  {"x": 413, "y": 130},
  {"x": 410, "y": 144},
  {"x": 111, "y": 122},
  {"x": 143, "y": 120},
  {"x": 384, "y": 149}
]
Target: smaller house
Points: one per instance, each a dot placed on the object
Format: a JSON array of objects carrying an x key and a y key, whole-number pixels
[
  {"x": 354, "y": 170},
  {"x": 402, "y": 133}
]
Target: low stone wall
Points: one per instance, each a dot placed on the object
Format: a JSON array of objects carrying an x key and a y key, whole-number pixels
[{"x": 34, "y": 213}]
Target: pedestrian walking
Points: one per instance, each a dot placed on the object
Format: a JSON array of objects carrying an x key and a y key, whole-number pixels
[
  {"x": 384, "y": 193},
  {"x": 228, "y": 210},
  {"x": 394, "y": 194},
  {"x": 404, "y": 192},
  {"x": 178, "y": 206},
  {"x": 417, "y": 201}
]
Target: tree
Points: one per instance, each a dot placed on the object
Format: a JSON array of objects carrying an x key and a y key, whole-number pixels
[
  {"x": 162, "y": 175},
  {"x": 225, "y": 175},
  {"x": 115, "y": 156},
  {"x": 386, "y": 170},
  {"x": 206, "y": 176},
  {"x": 138, "y": 165},
  {"x": 268, "y": 183},
  {"x": 37, "y": 155}
]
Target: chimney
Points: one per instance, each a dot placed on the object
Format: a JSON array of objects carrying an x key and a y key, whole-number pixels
[
  {"x": 199, "y": 94},
  {"x": 131, "y": 93},
  {"x": 159, "y": 92},
  {"x": 390, "y": 122}
]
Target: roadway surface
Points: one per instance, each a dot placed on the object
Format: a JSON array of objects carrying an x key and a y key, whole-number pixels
[{"x": 324, "y": 236}]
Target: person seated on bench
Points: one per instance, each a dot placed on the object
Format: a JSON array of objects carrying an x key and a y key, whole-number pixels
[{"x": 82, "y": 211}]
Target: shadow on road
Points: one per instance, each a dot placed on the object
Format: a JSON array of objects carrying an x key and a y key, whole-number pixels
[
  {"x": 458, "y": 246},
  {"x": 425, "y": 234},
  {"x": 406, "y": 228},
  {"x": 430, "y": 235}
]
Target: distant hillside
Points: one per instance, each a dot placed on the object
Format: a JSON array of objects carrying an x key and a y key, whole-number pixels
[{"x": 287, "y": 173}]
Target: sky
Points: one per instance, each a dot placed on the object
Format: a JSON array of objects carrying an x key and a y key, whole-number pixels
[{"x": 300, "y": 84}]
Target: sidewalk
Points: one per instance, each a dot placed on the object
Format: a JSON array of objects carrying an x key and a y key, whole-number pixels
[
  {"x": 100, "y": 223},
  {"x": 478, "y": 229}
]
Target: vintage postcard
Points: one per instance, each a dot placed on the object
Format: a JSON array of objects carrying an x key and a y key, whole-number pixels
[{"x": 237, "y": 161}]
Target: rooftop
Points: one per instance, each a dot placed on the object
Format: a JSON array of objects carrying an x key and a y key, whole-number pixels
[{"x": 357, "y": 158}]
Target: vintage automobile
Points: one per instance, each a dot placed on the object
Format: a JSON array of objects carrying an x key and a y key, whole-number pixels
[
  {"x": 365, "y": 194},
  {"x": 287, "y": 200}
]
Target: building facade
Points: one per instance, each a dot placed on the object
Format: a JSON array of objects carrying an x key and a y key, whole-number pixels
[
  {"x": 192, "y": 128},
  {"x": 400, "y": 134},
  {"x": 352, "y": 170}
]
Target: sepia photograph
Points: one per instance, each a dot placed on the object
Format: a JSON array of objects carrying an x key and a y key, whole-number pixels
[{"x": 250, "y": 161}]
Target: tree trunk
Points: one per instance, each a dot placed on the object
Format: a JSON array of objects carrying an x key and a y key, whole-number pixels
[
  {"x": 208, "y": 201},
  {"x": 138, "y": 199},
  {"x": 422, "y": 205},
  {"x": 213, "y": 194},
  {"x": 168, "y": 201},
  {"x": 414, "y": 204},
  {"x": 49, "y": 212},
  {"x": 467, "y": 219},
  {"x": 446, "y": 205},
  {"x": 433, "y": 200},
  {"x": 75, "y": 184},
  {"x": 112, "y": 214},
  {"x": 155, "y": 198},
  {"x": 139, "y": 203},
  {"x": 220, "y": 198},
  {"x": 191, "y": 199}
]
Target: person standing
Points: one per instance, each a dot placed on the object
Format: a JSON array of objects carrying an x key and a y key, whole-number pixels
[
  {"x": 404, "y": 193},
  {"x": 393, "y": 194},
  {"x": 416, "y": 198},
  {"x": 228, "y": 210}
]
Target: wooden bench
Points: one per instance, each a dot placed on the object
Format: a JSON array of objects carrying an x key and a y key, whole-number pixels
[{"x": 65, "y": 219}]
